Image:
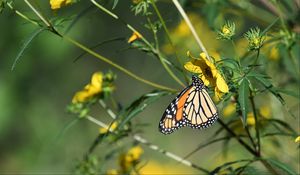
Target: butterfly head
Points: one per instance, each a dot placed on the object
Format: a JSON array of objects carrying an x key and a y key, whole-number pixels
[{"x": 197, "y": 81}]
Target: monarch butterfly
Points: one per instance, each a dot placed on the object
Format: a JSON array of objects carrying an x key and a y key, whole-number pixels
[{"x": 192, "y": 107}]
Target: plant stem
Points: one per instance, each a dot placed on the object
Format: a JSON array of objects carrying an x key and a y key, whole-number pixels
[
  {"x": 158, "y": 54},
  {"x": 191, "y": 27},
  {"x": 143, "y": 39},
  {"x": 21, "y": 14},
  {"x": 167, "y": 32},
  {"x": 237, "y": 137},
  {"x": 91, "y": 52},
  {"x": 98, "y": 55},
  {"x": 256, "y": 122},
  {"x": 151, "y": 146}
]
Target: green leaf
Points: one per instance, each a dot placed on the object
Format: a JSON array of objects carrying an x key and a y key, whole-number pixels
[
  {"x": 264, "y": 80},
  {"x": 243, "y": 99},
  {"x": 26, "y": 45},
  {"x": 281, "y": 166},
  {"x": 115, "y": 3},
  {"x": 283, "y": 124},
  {"x": 288, "y": 92},
  {"x": 139, "y": 105},
  {"x": 228, "y": 164},
  {"x": 78, "y": 16}
]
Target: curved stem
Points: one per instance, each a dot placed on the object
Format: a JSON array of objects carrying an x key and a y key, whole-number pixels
[
  {"x": 256, "y": 122},
  {"x": 49, "y": 25},
  {"x": 21, "y": 14},
  {"x": 155, "y": 51},
  {"x": 167, "y": 32},
  {"x": 116, "y": 65},
  {"x": 158, "y": 54},
  {"x": 187, "y": 20}
]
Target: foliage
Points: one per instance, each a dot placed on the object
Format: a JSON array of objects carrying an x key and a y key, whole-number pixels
[{"x": 242, "y": 79}]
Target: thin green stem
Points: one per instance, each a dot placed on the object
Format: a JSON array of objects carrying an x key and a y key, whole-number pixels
[
  {"x": 116, "y": 65},
  {"x": 237, "y": 137},
  {"x": 236, "y": 52},
  {"x": 21, "y": 14},
  {"x": 191, "y": 27},
  {"x": 38, "y": 14},
  {"x": 158, "y": 54},
  {"x": 256, "y": 122},
  {"x": 250, "y": 137},
  {"x": 167, "y": 31},
  {"x": 98, "y": 55},
  {"x": 151, "y": 146},
  {"x": 155, "y": 51}
]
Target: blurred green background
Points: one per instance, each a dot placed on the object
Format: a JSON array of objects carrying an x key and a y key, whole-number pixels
[{"x": 34, "y": 96}]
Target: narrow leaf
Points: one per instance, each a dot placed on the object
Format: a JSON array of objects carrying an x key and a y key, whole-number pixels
[
  {"x": 25, "y": 46},
  {"x": 243, "y": 99},
  {"x": 139, "y": 105},
  {"x": 281, "y": 166},
  {"x": 115, "y": 4}
]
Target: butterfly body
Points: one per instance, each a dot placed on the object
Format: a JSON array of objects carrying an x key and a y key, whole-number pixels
[{"x": 192, "y": 107}]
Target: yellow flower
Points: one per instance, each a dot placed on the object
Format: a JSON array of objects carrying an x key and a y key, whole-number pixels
[
  {"x": 135, "y": 152},
  {"x": 112, "y": 128},
  {"x": 265, "y": 112},
  {"x": 90, "y": 90},
  {"x": 274, "y": 53},
  {"x": 297, "y": 139},
  {"x": 159, "y": 168},
  {"x": 112, "y": 172},
  {"x": 229, "y": 109},
  {"x": 209, "y": 73},
  {"x": 131, "y": 158},
  {"x": 57, "y": 4},
  {"x": 250, "y": 119},
  {"x": 136, "y": 35},
  {"x": 182, "y": 29}
]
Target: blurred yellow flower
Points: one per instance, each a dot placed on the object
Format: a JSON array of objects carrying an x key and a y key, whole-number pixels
[
  {"x": 229, "y": 109},
  {"x": 90, "y": 90},
  {"x": 274, "y": 53},
  {"x": 264, "y": 111},
  {"x": 209, "y": 73},
  {"x": 154, "y": 167},
  {"x": 250, "y": 119},
  {"x": 57, "y": 4},
  {"x": 112, "y": 128},
  {"x": 182, "y": 29},
  {"x": 130, "y": 159},
  {"x": 112, "y": 172},
  {"x": 183, "y": 39},
  {"x": 136, "y": 35},
  {"x": 297, "y": 139}
]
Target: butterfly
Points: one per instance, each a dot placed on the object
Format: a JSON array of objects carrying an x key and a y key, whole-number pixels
[{"x": 192, "y": 107}]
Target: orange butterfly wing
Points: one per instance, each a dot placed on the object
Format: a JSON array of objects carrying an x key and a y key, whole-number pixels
[{"x": 192, "y": 107}]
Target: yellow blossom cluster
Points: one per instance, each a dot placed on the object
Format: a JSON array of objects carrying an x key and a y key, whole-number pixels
[
  {"x": 90, "y": 90},
  {"x": 57, "y": 4},
  {"x": 209, "y": 74},
  {"x": 127, "y": 161},
  {"x": 131, "y": 158}
]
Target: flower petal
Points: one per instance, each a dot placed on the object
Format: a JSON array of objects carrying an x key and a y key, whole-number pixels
[
  {"x": 221, "y": 84},
  {"x": 97, "y": 79},
  {"x": 190, "y": 66}
]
